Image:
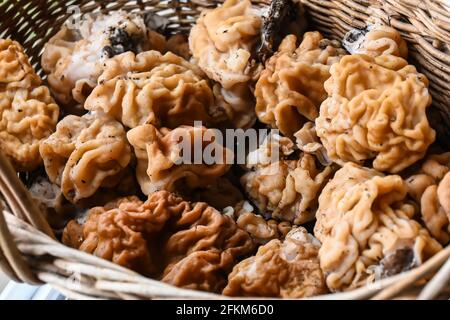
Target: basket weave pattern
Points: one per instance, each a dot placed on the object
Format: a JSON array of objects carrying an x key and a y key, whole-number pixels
[{"x": 28, "y": 251}]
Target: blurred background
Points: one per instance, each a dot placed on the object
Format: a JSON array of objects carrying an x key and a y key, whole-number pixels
[
  {"x": 10, "y": 290},
  {"x": 3, "y": 281}
]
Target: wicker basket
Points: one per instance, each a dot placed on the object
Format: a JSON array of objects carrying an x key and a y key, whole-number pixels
[{"x": 28, "y": 249}]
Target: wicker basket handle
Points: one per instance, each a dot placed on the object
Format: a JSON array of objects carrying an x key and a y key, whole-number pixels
[{"x": 19, "y": 201}]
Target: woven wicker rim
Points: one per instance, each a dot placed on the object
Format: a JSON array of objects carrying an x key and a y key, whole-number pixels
[
  {"x": 28, "y": 250},
  {"x": 79, "y": 275}
]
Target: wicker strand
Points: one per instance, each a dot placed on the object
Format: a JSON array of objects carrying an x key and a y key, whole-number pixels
[
  {"x": 12, "y": 260},
  {"x": 437, "y": 284},
  {"x": 18, "y": 196},
  {"x": 85, "y": 288},
  {"x": 73, "y": 294}
]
